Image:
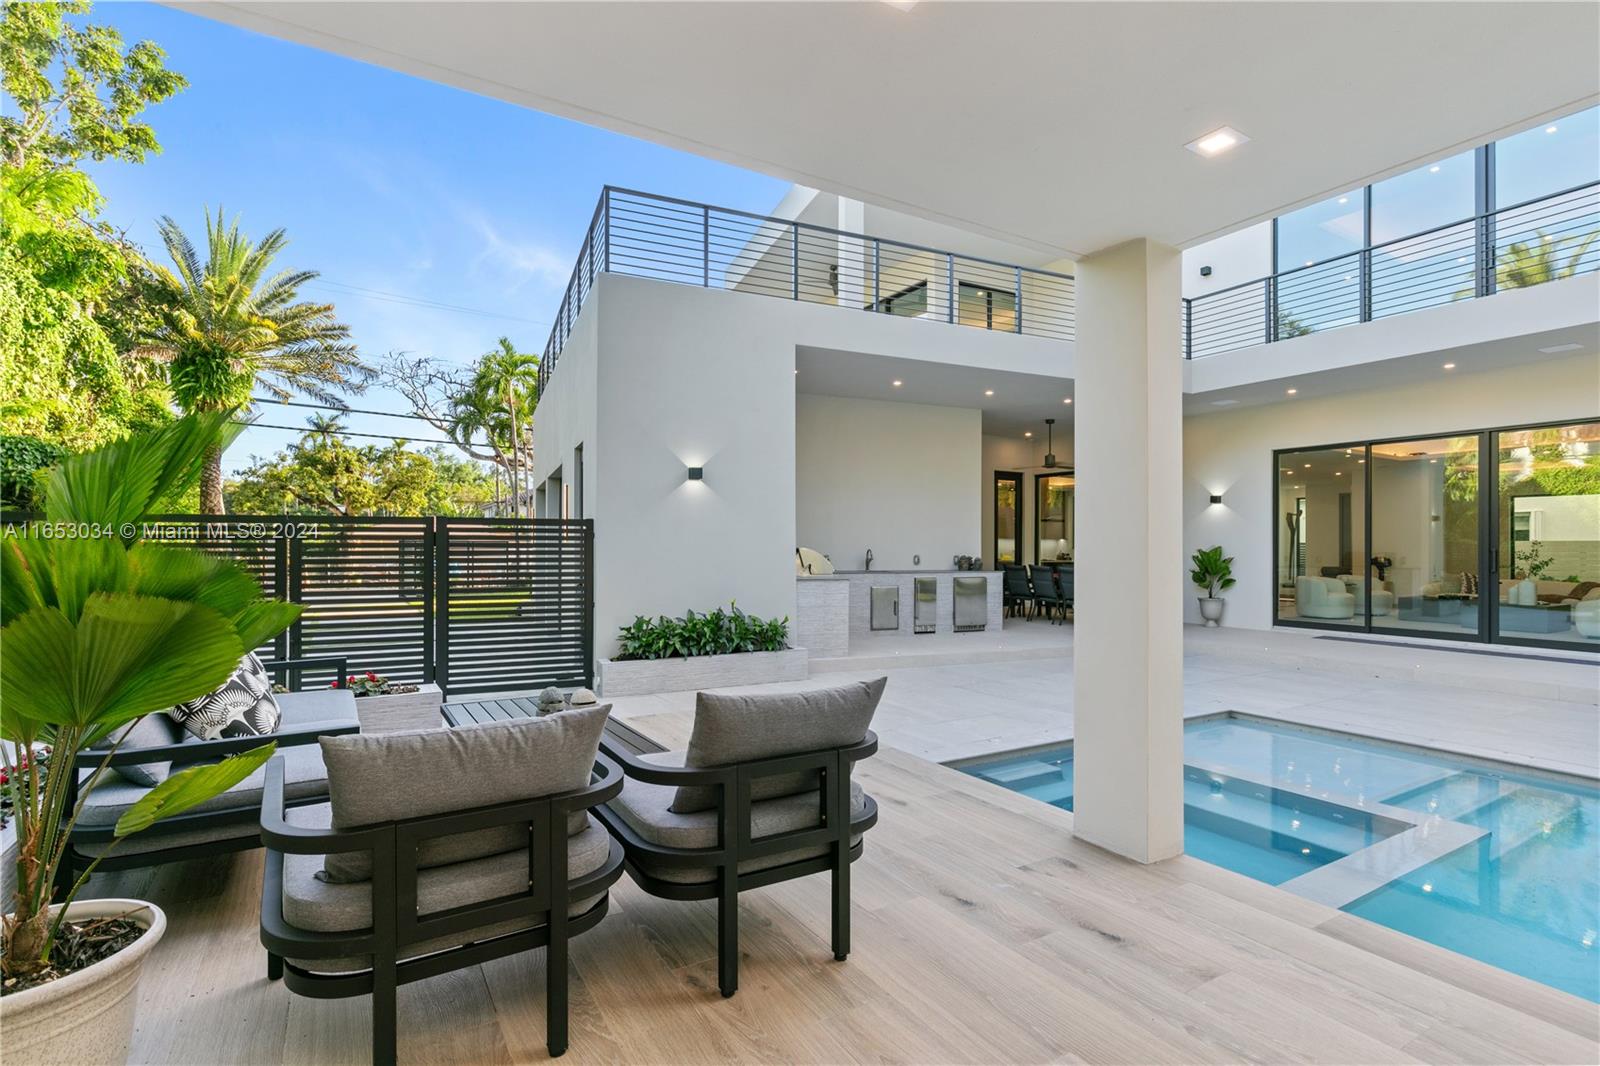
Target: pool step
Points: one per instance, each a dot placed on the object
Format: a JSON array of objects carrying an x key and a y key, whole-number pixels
[{"x": 1025, "y": 776}]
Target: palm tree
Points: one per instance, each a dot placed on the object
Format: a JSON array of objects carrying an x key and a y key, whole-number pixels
[
  {"x": 225, "y": 326},
  {"x": 498, "y": 403},
  {"x": 1525, "y": 263}
]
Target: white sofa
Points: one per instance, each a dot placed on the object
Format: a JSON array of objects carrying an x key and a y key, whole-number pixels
[
  {"x": 1382, "y": 594},
  {"x": 1322, "y": 597}
]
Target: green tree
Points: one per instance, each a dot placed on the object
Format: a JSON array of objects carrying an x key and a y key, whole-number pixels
[
  {"x": 77, "y": 93},
  {"x": 487, "y": 411},
  {"x": 322, "y": 474},
  {"x": 67, "y": 291},
  {"x": 225, "y": 325}
]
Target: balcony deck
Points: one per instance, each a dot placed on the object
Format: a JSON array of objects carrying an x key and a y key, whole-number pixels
[{"x": 983, "y": 932}]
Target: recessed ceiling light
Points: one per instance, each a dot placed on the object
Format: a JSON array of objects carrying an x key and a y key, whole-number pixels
[
  {"x": 1216, "y": 142},
  {"x": 1344, "y": 199},
  {"x": 1434, "y": 169},
  {"x": 898, "y": 383},
  {"x": 1338, "y": 473},
  {"x": 988, "y": 392},
  {"x": 1449, "y": 366},
  {"x": 1560, "y": 348},
  {"x": 1290, "y": 392},
  {"x": 1067, "y": 400},
  {"x": 1551, "y": 129},
  {"x": 1433, "y": 460},
  {"x": 1029, "y": 433},
  {"x": 1308, "y": 466},
  {"x": 1360, "y": 460}
]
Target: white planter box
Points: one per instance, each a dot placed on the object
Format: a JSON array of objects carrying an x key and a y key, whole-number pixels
[
  {"x": 641, "y": 677},
  {"x": 405, "y": 710}
]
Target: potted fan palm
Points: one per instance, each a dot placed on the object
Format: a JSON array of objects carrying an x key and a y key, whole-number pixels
[
  {"x": 1214, "y": 573},
  {"x": 101, "y": 628}
]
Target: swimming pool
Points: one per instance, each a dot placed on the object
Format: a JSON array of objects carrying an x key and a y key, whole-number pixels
[{"x": 1487, "y": 861}]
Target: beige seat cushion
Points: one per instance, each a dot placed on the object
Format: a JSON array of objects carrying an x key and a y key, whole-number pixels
[
  {"x": 647, "y": 809},
  {"x": 315, "y": 905},
  {"x": 733, "y": 728},
  {"x": 392, "y": 776}
]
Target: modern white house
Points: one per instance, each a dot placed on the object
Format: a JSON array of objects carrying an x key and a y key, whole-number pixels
[{"x": 1062, "y": 294}]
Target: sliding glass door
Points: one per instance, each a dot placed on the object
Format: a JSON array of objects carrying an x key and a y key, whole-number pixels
[
  {"x": 1425, "y": 525},
  {"x": 1547, "y": 546},
  {"x": 1491, "y": 535}
]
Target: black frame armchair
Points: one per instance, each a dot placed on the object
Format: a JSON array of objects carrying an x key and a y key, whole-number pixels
[
  {"x": 181, "y": 754},
  {"x": 396, "y": 923},
  {"x": 735, "y": 844}
]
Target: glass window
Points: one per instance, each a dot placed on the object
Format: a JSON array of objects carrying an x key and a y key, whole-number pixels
[
  {"x": 1412, "y": 269},
  {"x": 987, "y": 308},
  {"x": 1547, "y": 159},
  {"x": 1424, "y": 559},
  {"x": 1321, "y": 231},
  {"x": 1429, "y": 196},
  {"x": 1055, "y": 518},
  {"x": 1549, "y": 534},
  {"x": 908, "y": 303},
  {"x": 1321, "y": 515},
  {"x": 1007, "y": 518}
]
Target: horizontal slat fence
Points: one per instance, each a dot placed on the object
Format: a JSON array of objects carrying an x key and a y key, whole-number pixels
[{"x": 476, "y": 605}]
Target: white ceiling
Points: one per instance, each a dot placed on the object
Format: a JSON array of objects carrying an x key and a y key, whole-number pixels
[
  {"x": 1056, "y": 125},
  {"x": 1021, "y": 402}
]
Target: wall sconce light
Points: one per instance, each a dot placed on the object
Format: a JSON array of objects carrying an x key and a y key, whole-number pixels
[
  {"x": 1215, "y": 498},
  {"x": 697, "y": 473}
]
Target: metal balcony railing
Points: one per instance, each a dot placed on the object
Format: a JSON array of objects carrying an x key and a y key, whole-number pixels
[
  {"x": 1540, "y": 240},
  {"x": 661, "y": 237}
]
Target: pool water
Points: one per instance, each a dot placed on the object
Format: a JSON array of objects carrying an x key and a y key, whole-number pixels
[{"x": 1276, "y": 803}]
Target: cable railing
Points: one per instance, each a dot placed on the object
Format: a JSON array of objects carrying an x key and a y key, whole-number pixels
[
  {"x": 1545, "y": 239},
  {"x": 667, "y": 239}
]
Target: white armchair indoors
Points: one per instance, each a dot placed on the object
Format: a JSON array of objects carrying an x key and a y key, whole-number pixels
[{"x": 1322, "y": 597}]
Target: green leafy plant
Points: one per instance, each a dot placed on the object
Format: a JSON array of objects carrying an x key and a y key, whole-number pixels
[
  {"x": 101, "y": 629},
  {"x": 1534, "y": 561},
  {"x": 717, "y": 632},
  {"x": 1212, "y": 571}
]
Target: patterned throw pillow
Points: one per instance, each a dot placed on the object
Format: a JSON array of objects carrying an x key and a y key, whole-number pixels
[
  {"x": 242, "y": 707},
  {"x": 1469, "y": 584}
]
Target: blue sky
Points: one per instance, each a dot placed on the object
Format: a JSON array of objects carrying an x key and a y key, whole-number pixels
[{"x": 385, "y": 183}]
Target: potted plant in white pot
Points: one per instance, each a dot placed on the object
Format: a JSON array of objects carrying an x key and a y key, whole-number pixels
[
  {"x": 100, "y": 629},
  {"x": 1214, "y": 573}
]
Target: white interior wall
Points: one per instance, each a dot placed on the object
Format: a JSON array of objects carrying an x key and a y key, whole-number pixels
[
  {"x": 899, "y": 478},
  {"x": 1244, "y": 255},
  {"x": 1231, "y": 453}
]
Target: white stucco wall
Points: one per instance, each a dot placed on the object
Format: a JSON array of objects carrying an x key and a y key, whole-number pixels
[
  {"x": 1231, "y": 454},
  {"x": 660, "y": 377},
  {"x": 1234, "y": 259},
  {"x": 899, "y": 478}
]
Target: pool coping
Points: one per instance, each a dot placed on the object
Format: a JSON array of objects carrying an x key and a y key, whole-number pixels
[{"x": 1346, "y": 880}]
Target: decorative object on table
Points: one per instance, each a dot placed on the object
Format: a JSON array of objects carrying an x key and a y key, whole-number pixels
[
  {"x": 242, "y": 706},
  {"x": 552, "y": 700},
  {"x": 1214, "y": 573},
  {"x": 1534, "y": 561},
  {"x": 1382, "y": 563},
  {"x": 583, "y": 697},
  {"x": 371, "y": 684},
  {"x": 386, "y": 706},
  {"x": 98, "y": 634}
]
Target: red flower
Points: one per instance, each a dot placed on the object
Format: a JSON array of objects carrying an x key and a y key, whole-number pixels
[{"x": 371, "y": 676}]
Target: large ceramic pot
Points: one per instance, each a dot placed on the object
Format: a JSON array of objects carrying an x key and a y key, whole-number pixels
[
  {"x": 1211, "y": 609},
  {"x": 84, "y": 1018}
]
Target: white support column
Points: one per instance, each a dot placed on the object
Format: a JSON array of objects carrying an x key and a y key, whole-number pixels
[
  {"x": 855, "y": 259},
  {"x": 1128, "y": 634}
]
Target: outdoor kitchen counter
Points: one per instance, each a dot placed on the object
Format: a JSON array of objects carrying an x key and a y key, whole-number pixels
[{"x": 821, "y": 601}]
